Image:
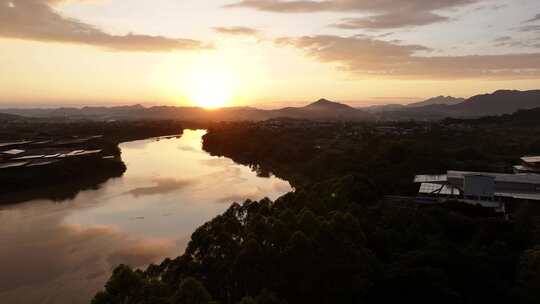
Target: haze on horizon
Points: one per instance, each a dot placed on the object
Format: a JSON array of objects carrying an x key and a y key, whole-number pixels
[{"x": 258, "y": 52}]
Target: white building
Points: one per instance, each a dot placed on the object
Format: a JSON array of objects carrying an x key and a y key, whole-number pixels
[
  {"x": 491, "y": 190},
  {"x": 529, "y": 164}
]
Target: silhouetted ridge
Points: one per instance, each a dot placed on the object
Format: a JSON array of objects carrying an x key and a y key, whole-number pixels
[
  {"x": 439, "y": 100},
  {"x": 328, "y": 105},
  {"x": 499, "y": 102}
]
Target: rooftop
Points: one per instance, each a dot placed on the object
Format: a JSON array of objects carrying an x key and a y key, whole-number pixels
[
  {"x": 431, "y": 178},
  {"x": 13, "y": 152},
  {"x": 12, "y": 165},
  {"x": 15, "y": 143},
  {"x": 526, "y": 178},
  {"x": 531, "y": 159},
  {"x": 429, "y": 188}
]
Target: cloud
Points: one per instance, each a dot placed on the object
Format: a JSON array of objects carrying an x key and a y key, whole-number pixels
[
  {"x": 383, "y": 14},
  {"x": 533, "y": 19},
  {"x": 507, "y": 41},
  {"x": 387, "y": 21},
  {"x": 37, "y": 20},
  {"x": 366, "y": 56},
  {"x": 237, "y": 31},
  {"x": 529, "y": 28}
]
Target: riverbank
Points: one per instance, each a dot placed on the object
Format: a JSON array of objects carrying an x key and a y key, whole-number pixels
[
  {"x": 58, "y": 160},
  {"x": 65, "y": 252}
]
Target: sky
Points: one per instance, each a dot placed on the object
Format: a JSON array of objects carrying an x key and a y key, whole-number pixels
[{"x": 266, "y": 53}]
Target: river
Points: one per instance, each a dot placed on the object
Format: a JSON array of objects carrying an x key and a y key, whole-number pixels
[{"x": 63, "y": 252}]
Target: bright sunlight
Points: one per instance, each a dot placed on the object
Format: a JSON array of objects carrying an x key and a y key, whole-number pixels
[{"x": 210, "y": 85}]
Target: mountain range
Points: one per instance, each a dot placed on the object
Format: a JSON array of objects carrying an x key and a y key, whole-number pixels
[
  {"x": 439, "y": 100},
  {"x": 497, "y": 103},
  {"x": 320, "y": 110}
]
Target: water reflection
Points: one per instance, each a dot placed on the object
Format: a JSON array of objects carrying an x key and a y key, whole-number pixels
[{"x": 63, "y": 253}]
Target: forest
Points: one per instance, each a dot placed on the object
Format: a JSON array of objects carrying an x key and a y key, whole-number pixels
[{"x": 337, "y": 238}]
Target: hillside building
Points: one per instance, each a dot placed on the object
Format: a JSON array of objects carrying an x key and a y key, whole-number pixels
[{"x": 492, "y": 190}]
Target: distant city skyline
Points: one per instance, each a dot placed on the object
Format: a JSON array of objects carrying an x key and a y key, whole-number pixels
[{"x": 263, "y": 53}]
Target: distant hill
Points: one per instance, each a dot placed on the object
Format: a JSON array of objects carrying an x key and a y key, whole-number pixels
[
  {"x": 521, "y": 118},
  {"x": 498, "y": 103},
  {"x": 439, "y": 100},
  {"x": 327, "y": 105},
  {"x": 320, "y": 110},
  {"x": 4, "y": 118}
]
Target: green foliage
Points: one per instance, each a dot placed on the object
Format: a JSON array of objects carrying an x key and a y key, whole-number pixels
[
  {"x": 191, "y": 291},
  {"x": 247, "y": 300},
  {"x": 528, "y": 279},
  {"x": 335, "y": 239},
  {"x": 128, "y": 286}
]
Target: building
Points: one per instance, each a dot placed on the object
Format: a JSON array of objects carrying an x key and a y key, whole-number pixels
[
  {"x": 529, "y": 164},
  {"x": 492, "y": 190}
]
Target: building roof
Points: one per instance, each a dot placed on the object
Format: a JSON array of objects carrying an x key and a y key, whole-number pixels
[
  {"x": 12, "y": 165},
  {"x": 522, "y": 178},
  {"x": 521, "y": 168},
  {"x": 75, "y": 152},
  {"x": 13, "y": 152},
  {"x": 431, "y": 178},
  {"x": 531, "y": 159},
  {"x": 88, "y": 152},
  {"x": 42, "y": 163},
  {"x": 523, "y": 196},
  {"x": 29, "y": 157},
  {"x": 15, "y": 143},
  {"x": 429, "y": 188},
  {"x": 52, "y": 155}
]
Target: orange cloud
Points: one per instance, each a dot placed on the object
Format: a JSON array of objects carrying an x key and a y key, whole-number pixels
[
  {"x": 237, "y": 30},
  {"x": 386, "y": 13},
  {"x": 37, "y": 20},
  {"x": 367, "y": 56}
]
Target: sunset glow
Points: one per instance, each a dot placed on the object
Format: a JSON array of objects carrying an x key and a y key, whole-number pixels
[
  {"x": 226, "y": 52},
  {"x": 210, "y": 87},
  {"x": 269, "y": 151}
]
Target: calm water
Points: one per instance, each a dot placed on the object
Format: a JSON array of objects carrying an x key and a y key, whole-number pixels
[{"x": 53, "y": 252}]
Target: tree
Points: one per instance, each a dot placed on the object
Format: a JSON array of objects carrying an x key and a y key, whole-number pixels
[
  {"x": 528, "y": 277},
  {"x": 191, "y": 291},
  {"x": 248, "y": 300},
  {"x": 123, "y": 287},
  {"x": 267, "y": 297}
]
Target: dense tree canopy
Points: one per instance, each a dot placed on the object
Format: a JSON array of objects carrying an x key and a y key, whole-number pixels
[
  {"x": 326, "y": 245},
  {"x": 338, "y": 239}
]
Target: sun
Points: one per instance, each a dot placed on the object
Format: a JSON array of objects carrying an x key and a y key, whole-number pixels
[{"x": 210, "y": 86}]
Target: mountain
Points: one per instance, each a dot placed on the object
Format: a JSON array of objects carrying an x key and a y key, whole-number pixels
[
  {"x": 439, "y": 100},
  {"x": 320, "y": 110},
  {"x": 497, "y": 103},
  {"x": 327, "y": 105}
]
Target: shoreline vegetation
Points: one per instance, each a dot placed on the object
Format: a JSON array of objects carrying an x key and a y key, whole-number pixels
[
  {"x": 62, "y": 159},
  {"x": 338, "y": 238}
]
